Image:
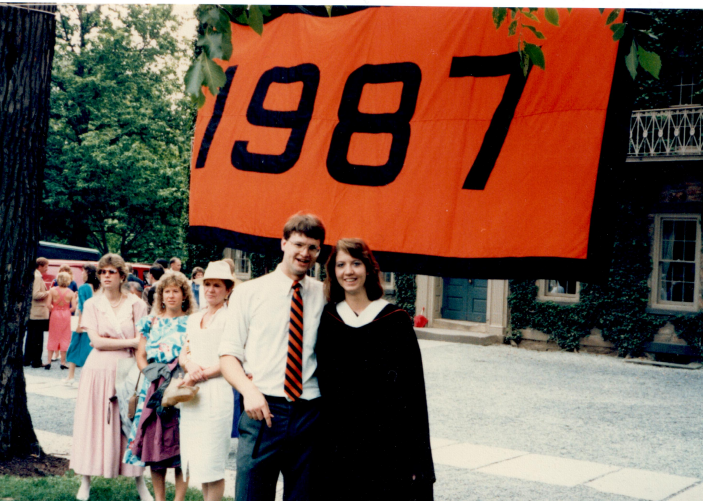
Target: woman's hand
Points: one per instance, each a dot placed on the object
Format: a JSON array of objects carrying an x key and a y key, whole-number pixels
[
  {"x": 187, "y": 381},
  {"x": 195, "y": 372}
]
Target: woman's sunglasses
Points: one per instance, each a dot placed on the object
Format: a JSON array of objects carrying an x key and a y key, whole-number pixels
[{"x": 111, "y": 272}]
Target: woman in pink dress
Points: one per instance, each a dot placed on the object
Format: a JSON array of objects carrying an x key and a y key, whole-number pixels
[
  {"x": 63, "y": 301},
  {"x": 109, "y": 319}
]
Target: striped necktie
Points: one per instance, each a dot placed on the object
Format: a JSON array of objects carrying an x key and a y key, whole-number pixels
[{"x": 293, "y": 385}]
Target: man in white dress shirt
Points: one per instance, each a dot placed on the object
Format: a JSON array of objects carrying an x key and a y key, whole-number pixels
[{"x": 278, "y": 431}]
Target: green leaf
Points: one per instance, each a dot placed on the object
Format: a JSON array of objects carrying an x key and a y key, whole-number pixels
[
  {"x": 535, "y": 53},
  {"x": 499, "y": 15},
  {"x": 512, "y": 28},
  {"x": 601, "y": 10},
  {"x": 569, "y": 9},
  {"x": 256, "y": 19},
  {"x": 214, "y": 76},
  {"x": 329, "y": 10},
  {"x": 234, "y": 11},
  {"x": 538, "y": 34},
  {"x": 530, "y": 15},
  {"x": 194, "y": 78},
  {"x": 209, "y": 16},
  {"x": 552, "y": 16},
  {"x": 612, "y": 16},
  {"x": 212, "y": 44},
  {"x": 650, "y": 62},
  {"x": 631, "y": 61},
  {"x": 227, "y": 43},
  {"x": 618, "y": 30},
  {"x": 513, "y": 12}
]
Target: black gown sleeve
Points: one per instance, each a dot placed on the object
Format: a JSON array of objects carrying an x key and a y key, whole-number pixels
[{"x": 417, "y": 422}]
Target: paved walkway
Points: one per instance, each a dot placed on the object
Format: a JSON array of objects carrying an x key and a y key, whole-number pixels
[{"x": 478, "y": 471}]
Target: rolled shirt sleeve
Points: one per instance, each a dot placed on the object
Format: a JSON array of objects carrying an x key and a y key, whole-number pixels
[{"x": 236, "y": 329}]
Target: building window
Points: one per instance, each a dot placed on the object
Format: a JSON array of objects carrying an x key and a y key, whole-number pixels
[
  {"x": 388, "y": 282},
  {"x": 559, "y": 290},
  {"x": 675, "y": 284}
]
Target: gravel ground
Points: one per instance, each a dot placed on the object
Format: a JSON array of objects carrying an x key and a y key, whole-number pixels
[{"x": 579, "y": 406}]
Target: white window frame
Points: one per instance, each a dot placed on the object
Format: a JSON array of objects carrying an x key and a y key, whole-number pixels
[
  {"x": 388, "y": 287},
  {"x": 543, "y": 293},
  {"x": 655, "y": 301}
]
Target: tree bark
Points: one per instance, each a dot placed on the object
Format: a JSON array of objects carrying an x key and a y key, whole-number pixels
[{"x": 27, "y": 36}]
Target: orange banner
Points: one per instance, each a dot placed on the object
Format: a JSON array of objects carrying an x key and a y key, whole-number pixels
[{"x": 413, "y": 128}]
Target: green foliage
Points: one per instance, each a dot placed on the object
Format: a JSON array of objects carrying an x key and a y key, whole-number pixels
[
  {"x": 676, "y": 35},
  {"x": 531, "y": 53},
  {"x": 618, "y": 309},
  {"x": 261, "y": 264},
  {"x": 118, "y": 150},
  {"x": 406, "y": 292},
  {"x": 64, "y": 488},
  {"x": 216, "y": 41}
]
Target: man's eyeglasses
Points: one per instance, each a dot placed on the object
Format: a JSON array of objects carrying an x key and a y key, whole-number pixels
[
  {"x": 111, "y": 272},
  {"x": 312, "y": 249}
]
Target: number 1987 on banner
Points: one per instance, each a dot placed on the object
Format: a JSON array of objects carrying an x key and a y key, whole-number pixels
[{"x": 352, "y": 120}]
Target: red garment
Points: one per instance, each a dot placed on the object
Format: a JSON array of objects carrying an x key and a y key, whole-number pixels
[
  {"x": 60, "y": 323},
  {"x": 157, "y": 437}
]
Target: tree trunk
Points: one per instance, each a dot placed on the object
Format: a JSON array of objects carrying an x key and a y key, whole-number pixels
[{"x": 26, "y": 53}]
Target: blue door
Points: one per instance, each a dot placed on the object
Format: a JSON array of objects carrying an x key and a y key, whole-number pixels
[{"x": 465, "y": 299}]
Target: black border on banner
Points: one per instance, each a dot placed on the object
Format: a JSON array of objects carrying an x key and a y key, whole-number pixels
[{"x": 594, "y": 269}]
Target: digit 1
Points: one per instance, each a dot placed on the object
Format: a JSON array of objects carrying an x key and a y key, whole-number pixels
[
  {"x": 215, "y": 119},
  {"x": 351, "y": 120},
  {"x": 297, "y": 120}
]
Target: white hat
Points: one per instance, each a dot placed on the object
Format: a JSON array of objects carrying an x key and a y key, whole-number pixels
[{"x": 218, "y": 269}]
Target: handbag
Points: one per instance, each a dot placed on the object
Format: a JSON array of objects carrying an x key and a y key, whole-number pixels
[
  {"x": 175, "y": 394},
  {"x": 133, "y": 399}
]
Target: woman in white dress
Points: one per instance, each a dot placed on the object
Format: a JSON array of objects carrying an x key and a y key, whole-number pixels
[{"x": 206, "y": 420}]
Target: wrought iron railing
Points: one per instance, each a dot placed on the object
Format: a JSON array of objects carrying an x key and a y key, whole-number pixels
[{"x": 675, "y": 131}]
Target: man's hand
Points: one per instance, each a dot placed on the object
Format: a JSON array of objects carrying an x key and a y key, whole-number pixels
[{"x": 256, "y": 406}]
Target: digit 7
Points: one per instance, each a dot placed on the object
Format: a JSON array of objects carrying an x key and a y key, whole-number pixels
[{"x": 492, "y": 66}]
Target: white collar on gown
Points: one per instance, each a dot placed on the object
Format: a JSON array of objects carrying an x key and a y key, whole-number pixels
[
  {"x": 365, "y": 317},
  {"x": 124, "y": 312}
]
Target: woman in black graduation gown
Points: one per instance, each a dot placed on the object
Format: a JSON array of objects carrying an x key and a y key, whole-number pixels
[{"x": 376, "y": 434}]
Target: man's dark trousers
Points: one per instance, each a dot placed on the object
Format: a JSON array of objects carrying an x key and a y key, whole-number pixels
[
  {"x": 287, "y": 447},
  {"x": 34, "y": 344}
]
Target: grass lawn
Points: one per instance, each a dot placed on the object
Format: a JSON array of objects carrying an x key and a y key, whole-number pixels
[{"x": 53, "y": 488}]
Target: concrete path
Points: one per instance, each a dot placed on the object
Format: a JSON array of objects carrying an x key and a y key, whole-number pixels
[{"x": 557, "y": 456}]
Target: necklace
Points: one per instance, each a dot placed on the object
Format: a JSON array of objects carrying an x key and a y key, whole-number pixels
[{"x": 118, "y": 302}]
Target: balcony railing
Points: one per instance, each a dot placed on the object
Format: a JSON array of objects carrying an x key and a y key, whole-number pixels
[{"x": 668, "y": 132}]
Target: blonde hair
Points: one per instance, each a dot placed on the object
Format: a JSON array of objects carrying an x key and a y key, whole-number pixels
[
  {"x": 67, "y": 269},
  {"x": 63, "y": 279},
  {"x": 169, "y": 279}
]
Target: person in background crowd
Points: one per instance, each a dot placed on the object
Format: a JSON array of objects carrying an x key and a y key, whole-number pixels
[
  {"x": 206, "y": 421},
  {"x": 67, "y": 269},
  {"x": 63, "y": 304},
  {"x": 155, "y": 273},
  {"x": 270, "y": 332},
  {"x": 80, "y": 348},
  {"x": 109, "y": 319},
  {"x": 381, "y": 451},
  {"x": 54, "y": 356},
  {"x": 175, "y": 264},
  {"x": 38, "y": 317},
  {"x": 132, "y": 277},
  {"x": 136, "y": 289},
  {"x": 154, "y": 439},
  {"x": 163, "y": 262},
  {"x": 196, "y": 280}
]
